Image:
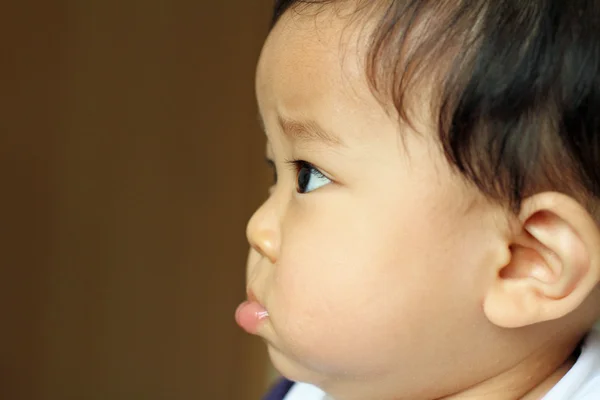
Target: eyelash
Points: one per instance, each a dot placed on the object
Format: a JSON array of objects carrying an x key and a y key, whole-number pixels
[
  {"x": 271, "y": 165},
  {"x": 295, "y": 165}
]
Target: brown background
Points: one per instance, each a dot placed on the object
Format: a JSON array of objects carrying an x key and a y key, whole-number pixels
[{"x": 130, "y": 160}]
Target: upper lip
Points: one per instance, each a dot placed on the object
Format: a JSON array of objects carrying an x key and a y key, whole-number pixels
[{"x": 251, "y": 295}]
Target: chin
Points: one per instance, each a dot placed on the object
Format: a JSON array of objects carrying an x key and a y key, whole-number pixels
[{"x": 291, "y": 368}]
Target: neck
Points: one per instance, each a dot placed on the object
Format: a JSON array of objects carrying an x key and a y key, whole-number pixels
[{"x": 531, "y": 379}]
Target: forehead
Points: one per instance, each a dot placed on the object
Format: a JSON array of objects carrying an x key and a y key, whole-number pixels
[{"x": 313, "y": 61}]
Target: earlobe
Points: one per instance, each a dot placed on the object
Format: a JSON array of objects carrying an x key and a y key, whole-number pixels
[{"x": 553, "y": 263}]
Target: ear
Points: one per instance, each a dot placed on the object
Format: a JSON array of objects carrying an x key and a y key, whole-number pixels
[{"x": 553, "y": 263}]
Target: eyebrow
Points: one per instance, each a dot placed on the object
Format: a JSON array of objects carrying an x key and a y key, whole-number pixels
[{"x": 306, "y": 131}]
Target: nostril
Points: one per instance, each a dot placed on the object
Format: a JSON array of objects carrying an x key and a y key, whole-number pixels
[{"x": 255, "y": 248}]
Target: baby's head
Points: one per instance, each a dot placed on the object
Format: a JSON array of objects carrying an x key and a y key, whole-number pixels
[{"x": 433, "y": 225}]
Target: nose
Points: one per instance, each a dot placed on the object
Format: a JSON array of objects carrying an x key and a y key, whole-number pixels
[{"x": 263, "y": 231}]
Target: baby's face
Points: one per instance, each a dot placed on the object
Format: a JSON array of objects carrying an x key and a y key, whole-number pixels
[{"x": 368, "y": 263}]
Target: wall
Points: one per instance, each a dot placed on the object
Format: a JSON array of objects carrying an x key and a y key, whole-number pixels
[{"x": 131, "y": 160}]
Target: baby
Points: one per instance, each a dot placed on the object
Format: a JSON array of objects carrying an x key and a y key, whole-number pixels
[{"x": 432, "y": 231}]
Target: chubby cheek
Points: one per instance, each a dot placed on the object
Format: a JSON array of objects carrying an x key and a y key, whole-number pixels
[
  {"x": 319, "y": 317},
  {"x": 341, "y": 302}
]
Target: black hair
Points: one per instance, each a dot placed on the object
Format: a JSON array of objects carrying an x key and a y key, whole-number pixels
[{"x": 518, "y": 87}]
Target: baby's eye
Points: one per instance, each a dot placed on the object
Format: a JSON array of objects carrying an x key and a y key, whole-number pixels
[{"x": 309, "y": 178}]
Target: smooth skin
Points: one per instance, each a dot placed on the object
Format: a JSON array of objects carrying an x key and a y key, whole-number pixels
[{"x": 390, "y": 277}]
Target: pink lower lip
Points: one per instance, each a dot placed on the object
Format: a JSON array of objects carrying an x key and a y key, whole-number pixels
[{"x": 249, "y": 315}]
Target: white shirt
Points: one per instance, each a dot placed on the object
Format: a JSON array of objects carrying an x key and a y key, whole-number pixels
[
  {"x": 582, "y": 382},
  {"x": 304, "y": 391}
]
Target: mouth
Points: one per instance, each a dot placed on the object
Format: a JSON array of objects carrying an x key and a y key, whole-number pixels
[{"x": 250, "y": 315}]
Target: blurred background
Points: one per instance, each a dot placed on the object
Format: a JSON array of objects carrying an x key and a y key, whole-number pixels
[{"x": 130, "y": 161}]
